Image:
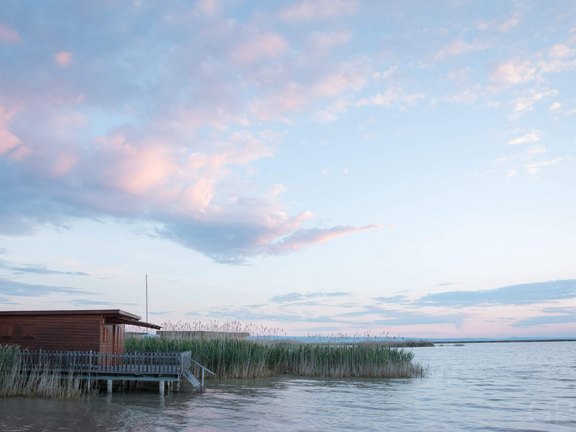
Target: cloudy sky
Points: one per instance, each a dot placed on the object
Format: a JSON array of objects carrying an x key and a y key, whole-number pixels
[{"x": 319, "y": 166}]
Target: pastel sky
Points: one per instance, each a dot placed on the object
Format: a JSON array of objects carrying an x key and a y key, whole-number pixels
[{"x": 317, "y": 166}]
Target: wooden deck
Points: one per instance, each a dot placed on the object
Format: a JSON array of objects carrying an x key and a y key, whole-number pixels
[{"x": 165, "y": 368}]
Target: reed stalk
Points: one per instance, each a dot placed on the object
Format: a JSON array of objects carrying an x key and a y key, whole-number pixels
[
  {"x": 19, "y": 379},
  {"x": 232, "y": 357}
]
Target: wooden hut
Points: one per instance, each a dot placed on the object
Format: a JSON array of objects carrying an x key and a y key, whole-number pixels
[{"x": 68, "y": 330}]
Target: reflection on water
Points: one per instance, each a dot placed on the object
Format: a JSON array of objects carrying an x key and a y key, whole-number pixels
[{"x": 476, "y": 387}]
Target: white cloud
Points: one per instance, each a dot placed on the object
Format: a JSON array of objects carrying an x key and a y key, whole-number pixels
[
  {"x": 390, "y": 97},
  {"x": 509, "y": 24},
  {"x": 524, "y": 104},
  {"x": 528, "y": 138},
  {"x": 456, "y": 48},
  {"x": 537, "y": 150},
  {"x": 560, "y": 51},
  {"x": 558, "y": 58},
  {"x": 332, "y": 111},
  {"x": 535, "y": 167},
  {"x": 500, "y": 25},
  {"x": 555, "y": 107},
  {"x": 515, "y": 72}
]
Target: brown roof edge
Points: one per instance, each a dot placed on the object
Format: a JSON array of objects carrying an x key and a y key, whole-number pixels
[
  {"x": 73, "y": 312},
  {"x": 112, "y": 316},
  {"x": 118, "y": 320}
]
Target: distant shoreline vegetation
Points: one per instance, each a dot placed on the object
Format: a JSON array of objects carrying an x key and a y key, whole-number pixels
[{"x": 230, "y": 356}]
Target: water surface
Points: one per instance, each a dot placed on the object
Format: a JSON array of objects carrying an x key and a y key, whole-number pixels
[{"x": 476, "y": 387}]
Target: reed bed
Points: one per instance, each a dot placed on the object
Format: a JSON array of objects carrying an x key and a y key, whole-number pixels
[
  {"x": 232, "y": 357},
  {"x": 18, "y": 379}
]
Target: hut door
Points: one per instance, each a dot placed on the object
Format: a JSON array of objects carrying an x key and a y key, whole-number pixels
[{"x": 118, "y": 339}]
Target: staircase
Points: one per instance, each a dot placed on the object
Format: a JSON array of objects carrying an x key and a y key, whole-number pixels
[
  {"x": 187, "y": 363},
  {"x": 194, "y": 381}
]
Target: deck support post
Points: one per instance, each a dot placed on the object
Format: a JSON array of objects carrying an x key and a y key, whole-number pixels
[
  {"x": 109, "y": 386},
  {"x": 161, "y": 388}
]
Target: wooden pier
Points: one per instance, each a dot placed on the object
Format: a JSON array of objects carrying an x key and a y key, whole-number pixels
[{"x": 165, "y": 368}]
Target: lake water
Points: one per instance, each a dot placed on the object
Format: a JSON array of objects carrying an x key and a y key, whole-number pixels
[{"x": 476, "y": 387}]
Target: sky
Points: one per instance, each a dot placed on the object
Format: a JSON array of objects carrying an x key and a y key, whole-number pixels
[{"x": 310, "y": 167}]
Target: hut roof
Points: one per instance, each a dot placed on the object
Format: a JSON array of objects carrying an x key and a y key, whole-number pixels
[{"x": 111, "y": 316}]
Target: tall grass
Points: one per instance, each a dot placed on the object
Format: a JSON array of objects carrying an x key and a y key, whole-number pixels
[
  {"x": 18, "y": 379},
  {"x": 231, "y": 357}
]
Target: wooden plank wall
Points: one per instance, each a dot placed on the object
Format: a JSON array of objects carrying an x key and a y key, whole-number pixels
[
  {"x": 112, "y": 338},
  {"x": 52, "y": 332}
]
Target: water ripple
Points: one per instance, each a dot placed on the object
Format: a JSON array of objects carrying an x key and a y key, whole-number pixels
[{"x": 477, "y": 387}]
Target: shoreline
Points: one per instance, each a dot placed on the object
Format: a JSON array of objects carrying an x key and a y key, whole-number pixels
[{"x": 475, "y": 341}]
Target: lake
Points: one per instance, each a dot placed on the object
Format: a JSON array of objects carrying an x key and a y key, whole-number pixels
[{"x": 475, "y": 387}]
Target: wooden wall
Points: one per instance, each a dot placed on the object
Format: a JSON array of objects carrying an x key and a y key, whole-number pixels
[
  {"x": 53, "y": 332},
  {"x": 112, "y": 338}
]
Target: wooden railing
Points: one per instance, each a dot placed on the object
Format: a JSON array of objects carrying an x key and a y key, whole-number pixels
[{"x": 103, "y": 363}]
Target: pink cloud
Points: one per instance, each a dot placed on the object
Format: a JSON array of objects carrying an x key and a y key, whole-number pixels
[
  {"x": 292, "y": 97},
  {"x": 295, "y": 96},
  {"x": 266, "y": 45},
  {"x": 303, "y": 238},
  {"x": 561, "y": 51},
  {"x": 337, "y": 83},
  {"x": 197, "y": 197},
  {"x": 9, "y": 35},
  {"x": 327, "y": 40},
  {"x": 308, "y": 10},
  {"x": 264, "y": 229},
  {"x": 63, "y": 58},
  {"x": 208, "y": 7},
  {"x": 162, "y": 175},
  {"x": 64, "y": 164},
  {"x": 456, "y": 48},
  {"x": 172, "y": 142},
  {"x": 136, "y": 169},
  {"x": 8, "y": 141},
  {"x": 515, "y": 72},
  {"x": 559, "y": 58}
]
